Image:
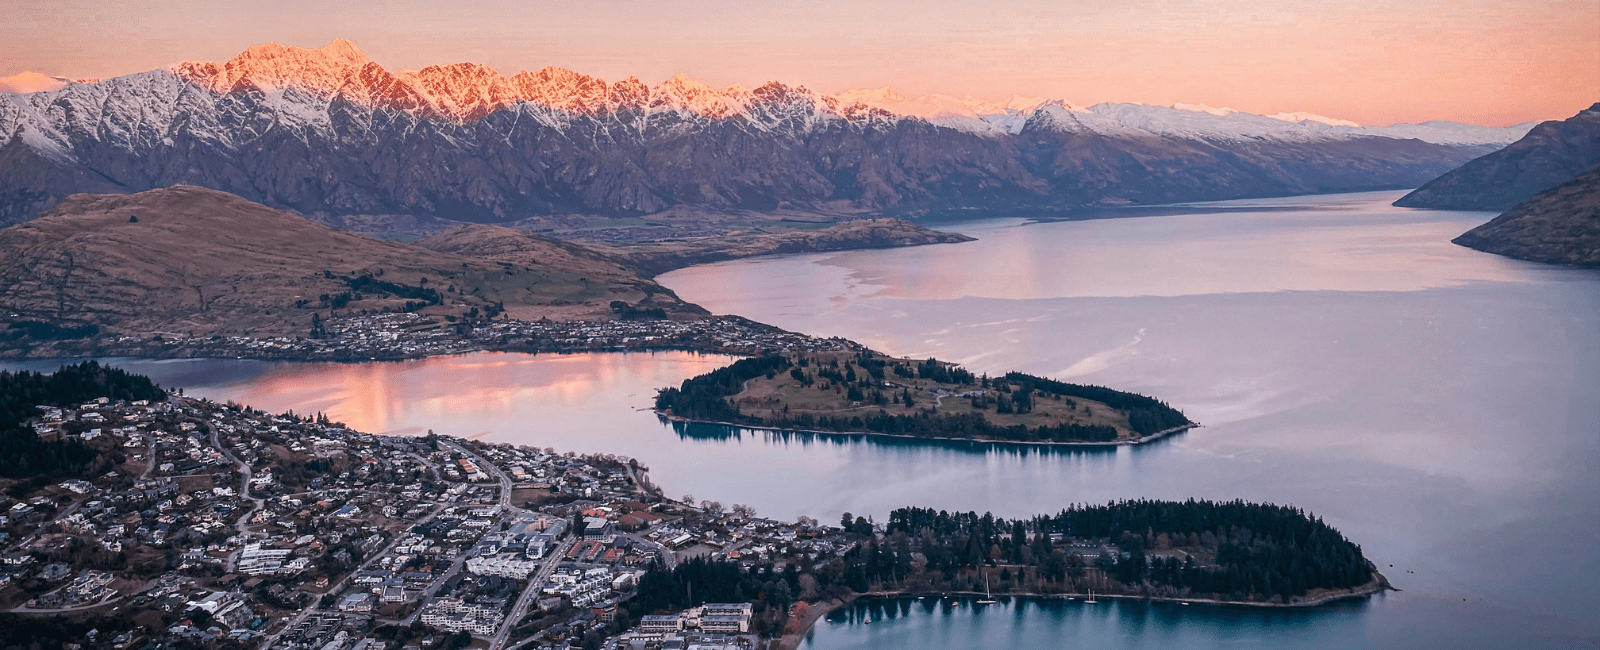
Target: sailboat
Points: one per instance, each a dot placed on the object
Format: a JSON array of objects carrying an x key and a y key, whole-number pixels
[
  {"x": 987, "y": 598},
  {"x": 1091, "y": 599}
]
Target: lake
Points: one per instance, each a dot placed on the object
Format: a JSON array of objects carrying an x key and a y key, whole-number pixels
[{"x": 1439, "y": 406}]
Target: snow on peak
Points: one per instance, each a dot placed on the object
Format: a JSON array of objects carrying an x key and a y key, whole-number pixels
[
  {"x": 1202, "y": 108},
  {"x": 562, "y": 89},
  {"x": 685, "y": 94},
  {"x": 1302, "y": 116},
  {"x": 465, "y": 92},
  {"x": 23, "y": 83},
  {"x": 462, "y": 91},
  {"x": 271, "y": 66}
]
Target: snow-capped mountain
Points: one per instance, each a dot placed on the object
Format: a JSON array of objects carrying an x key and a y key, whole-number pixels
[{"x": 329, "y": 133}]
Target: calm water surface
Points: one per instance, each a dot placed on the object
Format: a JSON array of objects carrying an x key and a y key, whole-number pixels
[{"x": 1438, "y": 405}]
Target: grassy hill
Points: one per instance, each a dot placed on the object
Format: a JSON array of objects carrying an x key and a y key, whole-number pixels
[
  {"x": 201, "y": 262},
  {"x": 873, "y": 393}
]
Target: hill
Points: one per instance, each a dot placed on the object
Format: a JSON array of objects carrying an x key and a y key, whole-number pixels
[
  {"x": 1559, "y": 226},
  {"x": 655, "y": 258},
  {"x": 201, "y": 262},
  {"x": 562, "y": 262},
  {"x": 1550, "y": 154}
]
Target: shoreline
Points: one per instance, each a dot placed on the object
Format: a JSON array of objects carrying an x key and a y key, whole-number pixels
[
  {"x": 1110, "y": 444},
  {"x": 822, "y": 609}
]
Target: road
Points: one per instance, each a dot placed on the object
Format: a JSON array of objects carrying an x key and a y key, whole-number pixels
[
  {"x": 433, "y": 587},
  {"x": 243, "y": 525},
  {"x": 485, "y": 465},
  {"x": 529, "y": 594}
]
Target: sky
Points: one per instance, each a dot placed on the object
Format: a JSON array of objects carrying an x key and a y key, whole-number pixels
[{"x": 1493, "y": 62}]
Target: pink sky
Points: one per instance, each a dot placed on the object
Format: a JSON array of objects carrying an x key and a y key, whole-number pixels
[{"x": 1373, "y": 61}]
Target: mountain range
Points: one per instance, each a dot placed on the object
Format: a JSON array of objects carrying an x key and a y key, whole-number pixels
[
  {"x": 1550, "y": 154},
  {"x": 330, "y": 135}
]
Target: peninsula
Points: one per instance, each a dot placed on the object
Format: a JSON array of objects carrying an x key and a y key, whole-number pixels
[{"x": 871, "y": 393}]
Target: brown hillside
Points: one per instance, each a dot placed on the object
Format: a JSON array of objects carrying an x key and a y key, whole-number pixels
[
  {"x": 1559, "y": 226},
  {"x": 192, "y": 260},
  {"x": 561, "y": 262}
]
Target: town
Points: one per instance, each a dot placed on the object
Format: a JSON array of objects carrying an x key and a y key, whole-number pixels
[
  {"x": 217, "y": 524},
  {"x": 401, "y": 335},
  {"x": 144, "y": 519}
]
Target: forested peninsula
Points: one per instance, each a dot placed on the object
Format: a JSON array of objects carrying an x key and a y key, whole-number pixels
[
  {"x": 867, "y": 392},
  {"x": 1190, "y": 551}
]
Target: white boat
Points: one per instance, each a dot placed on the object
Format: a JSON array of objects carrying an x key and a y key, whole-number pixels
[
  {"x": 987, "y": 598},
  {"x": 1091, "y": 599}
]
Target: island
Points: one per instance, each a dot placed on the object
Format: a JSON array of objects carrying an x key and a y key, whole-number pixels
[{"x": 866, "y": 392}]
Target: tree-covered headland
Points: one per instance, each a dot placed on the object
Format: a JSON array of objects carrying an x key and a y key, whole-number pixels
[
  {"x": 1233, "y": 551},
  {"x": 23, "y": 454}
]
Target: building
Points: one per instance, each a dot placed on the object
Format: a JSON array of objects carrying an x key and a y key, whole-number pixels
[
  {"x": 598, "y": 527},
  {"x": 729, "y": 609},
  {"x": 661, "y": 624},
  {"x": 255, "y": 560},
  {"x": 502, "y": 566},
  {"x": 725, "y": 624},
  {"x": 452, "y": 615}
]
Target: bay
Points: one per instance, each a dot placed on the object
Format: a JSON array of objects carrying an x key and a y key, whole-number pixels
[{"x": 1438, "y": 405}]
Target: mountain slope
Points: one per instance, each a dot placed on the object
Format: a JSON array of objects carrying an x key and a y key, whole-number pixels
[
  {"x": 1559, "y": 226},
  {"x": 197, "y": 261},
  {"x": 1550, "y": 154},
  {"x": 659, "y": 257},
  {"x": 558, "y": 259},
  {"x": 330, "y": 135}
]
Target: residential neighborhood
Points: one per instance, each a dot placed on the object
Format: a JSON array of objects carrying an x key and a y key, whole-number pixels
[{"x": 225, "y": 526}]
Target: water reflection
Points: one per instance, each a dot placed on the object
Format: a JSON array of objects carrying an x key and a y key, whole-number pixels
[
  {"x": 701, "y": 431},
  {"x": 933, "y": 622}
]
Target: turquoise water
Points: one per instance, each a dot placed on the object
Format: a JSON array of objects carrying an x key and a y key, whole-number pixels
[{"x": 1438, "y": 405}]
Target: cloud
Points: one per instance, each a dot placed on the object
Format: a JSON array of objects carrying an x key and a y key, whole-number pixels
[{"x": 30, "y": 82}]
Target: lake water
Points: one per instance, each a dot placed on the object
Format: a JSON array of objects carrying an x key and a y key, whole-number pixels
[{"x": 1438, "y": 405}]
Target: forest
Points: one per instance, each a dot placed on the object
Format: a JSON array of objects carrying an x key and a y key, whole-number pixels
[
  {"x": 707, "y": 398},
  {"x": 1232, "y": 550},
  {"x": 22, "y": 453}
]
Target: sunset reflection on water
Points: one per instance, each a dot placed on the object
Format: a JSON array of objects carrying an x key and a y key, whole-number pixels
[{"x": 478, "y": 395}]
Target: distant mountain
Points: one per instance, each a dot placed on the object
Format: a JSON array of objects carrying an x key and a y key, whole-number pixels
[
  {"x": 1550, "y": 154},
  {"x": 1559, "y": 226},
  {"x": 330, "y": 135},
  {"x": 200, "y": 262}
]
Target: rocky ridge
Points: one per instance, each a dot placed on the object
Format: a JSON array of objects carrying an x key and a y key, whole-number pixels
[{"x": 333, "y": 136}]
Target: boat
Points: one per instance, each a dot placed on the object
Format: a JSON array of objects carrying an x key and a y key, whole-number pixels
[
  {"x": 988, "y": 599},
  {"x": 1091, "y": 599}
]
